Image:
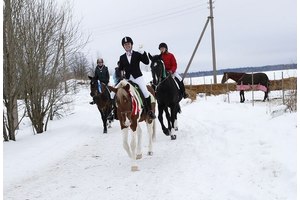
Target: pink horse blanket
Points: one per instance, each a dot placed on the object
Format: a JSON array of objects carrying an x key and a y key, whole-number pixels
[{"x": 250, "y": 87}]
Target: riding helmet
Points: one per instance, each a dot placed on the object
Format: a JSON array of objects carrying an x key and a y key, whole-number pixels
[
  {"x": 163, "y": 45},
  {"x": 127, "y": 39}
]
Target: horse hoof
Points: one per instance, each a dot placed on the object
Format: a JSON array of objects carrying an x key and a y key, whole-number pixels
[
  {"x": 150, "y": 153},
  {"x": 104, "y": 131},
  {"x": 167, "y": 132},
  {"x": 139, "y": 156},
  {"x": 134, "y": 168},
  {"x": 173, "y": 137}
]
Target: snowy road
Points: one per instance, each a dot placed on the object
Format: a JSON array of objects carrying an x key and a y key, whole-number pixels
[{"x": 223, "y": 151}]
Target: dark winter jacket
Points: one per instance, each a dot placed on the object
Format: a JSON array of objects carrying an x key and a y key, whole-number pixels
[
  {"x": 117, "y": 75},
  {"x": 133, "y": 68},
  {"x": 102, "y": 74}
]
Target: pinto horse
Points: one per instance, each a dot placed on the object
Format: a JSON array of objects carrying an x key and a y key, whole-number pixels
[
  {"x": 259, "y": 81},
  {"x": 101, "y": 96},
  {"x": 167, "y": 94},
  {"x": 130, "y": 114}
]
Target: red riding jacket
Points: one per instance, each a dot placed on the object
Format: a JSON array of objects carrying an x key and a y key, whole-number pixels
[{"x": 170, "y": 61}]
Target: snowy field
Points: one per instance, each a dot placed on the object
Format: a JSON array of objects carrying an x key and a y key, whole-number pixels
[{"x": 223, "y": 151}]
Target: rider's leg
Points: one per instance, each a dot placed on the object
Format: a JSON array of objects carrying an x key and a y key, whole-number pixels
[
  {"x": 181, "y": 85},
  {"x": 140, "y": 81}
]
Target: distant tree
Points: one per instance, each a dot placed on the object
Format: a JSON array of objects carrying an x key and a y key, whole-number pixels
[{"x": 79, "y": 66}]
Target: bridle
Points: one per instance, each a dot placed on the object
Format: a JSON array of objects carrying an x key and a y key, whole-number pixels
[{"x": 163, "y": 76}]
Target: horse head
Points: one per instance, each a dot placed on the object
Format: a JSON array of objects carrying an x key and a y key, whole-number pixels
[
  {"x": 157, "y": 68},
  {"x": 93, "y": 86},
  {"x": 97, "y": 88},
  {"x": 225, "y": 77}
]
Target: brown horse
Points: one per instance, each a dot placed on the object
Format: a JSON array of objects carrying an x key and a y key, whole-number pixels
[
  {"x": 101, "y": 96},
  {"x": 257, "y": 81},
  {"x": 129, "y": 111}
]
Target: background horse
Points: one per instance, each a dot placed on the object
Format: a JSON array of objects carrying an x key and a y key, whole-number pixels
[
  {"x": 101, "y": 96},
  {"x": 244, "y": 82},
  {"x": 129, "y": 111},
  {"x": 167, "y": 94}
]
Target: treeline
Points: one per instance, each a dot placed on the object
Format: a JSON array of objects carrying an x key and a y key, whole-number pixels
[{"x": 245, "y": 70}]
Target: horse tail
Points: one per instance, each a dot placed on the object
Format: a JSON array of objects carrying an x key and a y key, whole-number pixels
[{"x": 268, "y": 86}]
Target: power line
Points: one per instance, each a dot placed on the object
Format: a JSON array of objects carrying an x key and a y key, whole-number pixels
[{"x": 150, "y": 19}]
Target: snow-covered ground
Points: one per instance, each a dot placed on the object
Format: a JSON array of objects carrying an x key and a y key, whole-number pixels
[{"x": 223, "y": 151}]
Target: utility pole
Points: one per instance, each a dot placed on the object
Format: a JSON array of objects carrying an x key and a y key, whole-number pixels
[
  {"x": 196, "y": 47},
  {"x": 213, "y": 41},
  {"x": 210, "y": 19}
]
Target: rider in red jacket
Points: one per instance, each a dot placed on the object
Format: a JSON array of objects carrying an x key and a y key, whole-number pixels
[{"x": 171, "y": 66}]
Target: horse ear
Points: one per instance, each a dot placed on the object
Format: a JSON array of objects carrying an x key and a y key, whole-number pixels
[
  {"x": 112, "y": 89},
  {"x": 90, "y": 77},
  {"x": 150, "y": 56}
]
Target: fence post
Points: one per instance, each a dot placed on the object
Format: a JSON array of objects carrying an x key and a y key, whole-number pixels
[
  {"x": 204, "y": 88},
  {"x": 211, "y": 86},
  {"x": 227, "y": 86},
  {"x": 282, "y": 86},
  {"x": 252, "y": 90}
]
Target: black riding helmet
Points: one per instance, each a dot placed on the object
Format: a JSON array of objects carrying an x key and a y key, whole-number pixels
[
  {"x": 163, "y": 45},
  {"x": 127, "y": 39}
]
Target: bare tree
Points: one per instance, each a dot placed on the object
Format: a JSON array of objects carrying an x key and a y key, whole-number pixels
[
  {"x": 11, "y": 72},
  {"x": 45, "y": 36}
]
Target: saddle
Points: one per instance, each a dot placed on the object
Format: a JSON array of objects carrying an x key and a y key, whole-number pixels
[{"x": 139, "y": 92}]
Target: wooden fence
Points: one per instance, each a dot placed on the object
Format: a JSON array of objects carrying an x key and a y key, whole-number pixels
[{"x": 216, "y": 89}]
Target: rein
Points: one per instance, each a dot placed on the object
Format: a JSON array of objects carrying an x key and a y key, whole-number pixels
[{"x": 163, "y": 80}]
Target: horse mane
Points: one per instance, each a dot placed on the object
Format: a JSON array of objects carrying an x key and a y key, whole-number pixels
[{"x": 234, "y": 75}]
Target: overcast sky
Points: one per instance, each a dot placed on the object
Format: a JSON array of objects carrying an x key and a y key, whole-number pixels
[{"x": 247, "y": 32}]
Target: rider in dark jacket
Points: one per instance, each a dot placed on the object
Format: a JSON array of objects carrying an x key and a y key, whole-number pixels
[{"x": 101, "y": 74}]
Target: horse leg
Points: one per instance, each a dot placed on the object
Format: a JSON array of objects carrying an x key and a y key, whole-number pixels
[
  {"x": 139, "y": 142},
  {"x": 160, "y": 118},
  {"x": 168, "y": 116},
  {"x": 172, "y": 120},
  {"x": 104, "y": 121},
  {"x": 175, "y": 118},
  {"x": 125, "y": 141},
  {"x": 266, "y": 96},
  {"x": 242, "y": 96},
  {"x": 133, "y": 145},
  {"x": 150, "y": 129}
]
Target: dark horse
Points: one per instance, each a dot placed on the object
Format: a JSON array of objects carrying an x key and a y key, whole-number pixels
[
  {"x": 167, "y": 94},
  {"x": 101, "y": 96},
  {"x": 130, "y": 114},
  {"x": 260, "y": 81}
]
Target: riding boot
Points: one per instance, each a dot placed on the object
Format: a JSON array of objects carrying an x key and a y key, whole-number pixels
[
  {"x": 148, "y": 108},
  {"x": 182, "y": 88}
]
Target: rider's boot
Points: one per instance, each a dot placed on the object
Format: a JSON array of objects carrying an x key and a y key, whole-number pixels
[{"x": 182, "y": 88}]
